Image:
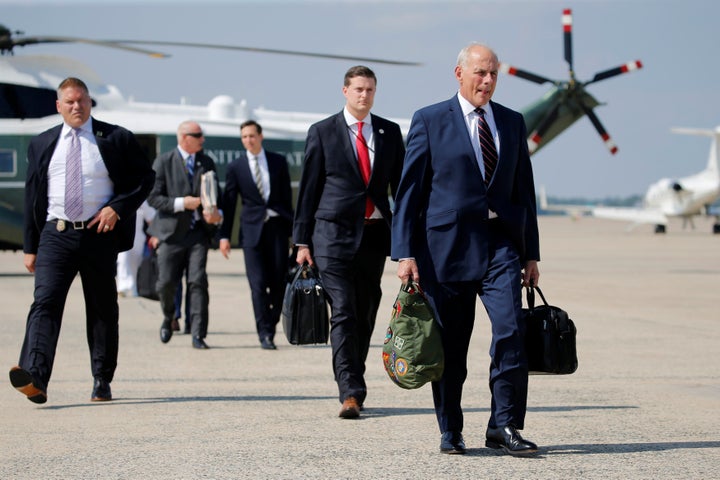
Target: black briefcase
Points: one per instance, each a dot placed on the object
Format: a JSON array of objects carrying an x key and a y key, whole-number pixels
[
  {"x": 305, "y": 310},
  {"x": 147, "y": 276},
  {"x": 549, "y": 338}
]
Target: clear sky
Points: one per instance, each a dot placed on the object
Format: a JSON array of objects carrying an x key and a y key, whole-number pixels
[{"x": 677, "y": 41}]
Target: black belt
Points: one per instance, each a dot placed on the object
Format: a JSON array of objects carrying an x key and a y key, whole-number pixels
[{"x": 65, "y": 224}]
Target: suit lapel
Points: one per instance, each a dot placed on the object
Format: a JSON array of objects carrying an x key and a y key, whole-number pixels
[{"x": 458, "y": 122}]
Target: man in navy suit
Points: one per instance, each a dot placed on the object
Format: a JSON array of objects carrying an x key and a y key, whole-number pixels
[
  {"x": 262, "y": 180},
  {"x": 343, "y": 221},
  {"x": 112, "y": 177},
  {"x": 465, "y": 225},
  {"x": 184, "y": 229}
]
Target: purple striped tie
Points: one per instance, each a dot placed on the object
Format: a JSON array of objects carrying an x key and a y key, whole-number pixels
[
  {"x": 487, "y": 146},
  {"x": 73, "y": 179}
]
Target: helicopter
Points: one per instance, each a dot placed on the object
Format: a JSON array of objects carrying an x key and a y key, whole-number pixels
[{"x": 28, "y": 92}]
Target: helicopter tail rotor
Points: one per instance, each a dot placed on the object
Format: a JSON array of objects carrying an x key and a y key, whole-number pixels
[{"x": 568, "y": 101}]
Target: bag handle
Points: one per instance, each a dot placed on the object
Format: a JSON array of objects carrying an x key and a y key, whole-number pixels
[
  {"x": 530, "y": 296},
  {"x": 412, "y": 287}
]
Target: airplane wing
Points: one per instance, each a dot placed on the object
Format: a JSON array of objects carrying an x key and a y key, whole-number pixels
[{"x": 629, "y": 214}]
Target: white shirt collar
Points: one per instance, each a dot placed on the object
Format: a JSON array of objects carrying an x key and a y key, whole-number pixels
[
  {"x": 468, "y": 108},
  {"x": 351, "y": 120},
  {"x": 85, "y": 127}
]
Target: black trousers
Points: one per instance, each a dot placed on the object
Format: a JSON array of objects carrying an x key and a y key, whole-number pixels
[
  {"x": 266, "y": 265},
  {"x": 353, "y": 288},
  {"x": 61, "y": 256}
]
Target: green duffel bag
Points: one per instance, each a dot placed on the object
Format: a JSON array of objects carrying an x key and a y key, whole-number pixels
[{"x": 413, "y": 352}]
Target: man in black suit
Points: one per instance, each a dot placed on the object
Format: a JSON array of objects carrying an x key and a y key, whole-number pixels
[
  {"x": 184, "y": 229},
  {"x": 85, "y": 181},
  {"x": 262, "y": 181},
  {"x": 466, "y": 226},
  {"x": 343, "y": 221}
]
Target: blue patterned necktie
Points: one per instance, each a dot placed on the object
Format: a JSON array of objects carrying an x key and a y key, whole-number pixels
[
  {"x": 190, "y": 165},
  {"x": 73, "y": 178}
]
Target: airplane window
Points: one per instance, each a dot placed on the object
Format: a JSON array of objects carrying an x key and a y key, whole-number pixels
[{"x": 8, "y": 163}]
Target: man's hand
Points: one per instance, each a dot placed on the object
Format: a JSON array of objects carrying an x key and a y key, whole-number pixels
[
  {"x": 304, "y": 256},
  {"x": 407, "y": 269},
  {"x": 105, "y": 219},
  {"x": 531, "y": 274},
  {"x": 225, "y": 247},
  {"x": 29, "y": 261},
  {"x": 191, "y": 203},
  {"x": 212, "y": 216}
]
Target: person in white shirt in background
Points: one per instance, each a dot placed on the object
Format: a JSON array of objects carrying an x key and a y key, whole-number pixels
[{"x": 128, "y": 262}]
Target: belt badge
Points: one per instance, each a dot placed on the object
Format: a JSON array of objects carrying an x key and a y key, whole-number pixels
[{"x": 60, "y": 225}]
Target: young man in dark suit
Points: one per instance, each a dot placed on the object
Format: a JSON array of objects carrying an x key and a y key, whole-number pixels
[
  {"x": 466, "y": 225},
  {"x": 184, "y": 229},
  {"x": 85, "y": 181},
  {"x": 262, "y": 180},
  {"x": 342, "y": 223}
]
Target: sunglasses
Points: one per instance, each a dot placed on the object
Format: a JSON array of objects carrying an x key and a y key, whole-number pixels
[{"x": 195, "y": 134}]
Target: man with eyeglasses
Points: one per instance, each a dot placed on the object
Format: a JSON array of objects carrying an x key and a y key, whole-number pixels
[{"x": 184, "y": 229}]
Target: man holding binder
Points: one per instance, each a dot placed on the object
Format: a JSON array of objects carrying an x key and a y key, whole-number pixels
[{"x": 184, "y": 227}]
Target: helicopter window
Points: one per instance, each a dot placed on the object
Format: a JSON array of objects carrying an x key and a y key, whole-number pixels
[
  {"x": 8, "y": 163},
  {"x": 19, "y": 101}
]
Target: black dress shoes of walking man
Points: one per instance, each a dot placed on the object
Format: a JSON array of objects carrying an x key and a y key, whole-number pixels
[
  {"x": 165, "y": 333},
  {"x": 101, "y": 391},
  {"x": 508, "y": 439},
  {"x": 266, "y": 343},
  {"x": 452, "y": 443},
  {"x": 24, "y": 383},
  {"x": 199, "y": 343}
]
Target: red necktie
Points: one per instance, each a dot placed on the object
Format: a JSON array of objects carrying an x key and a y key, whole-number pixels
[{"x": 364, "y": 161}]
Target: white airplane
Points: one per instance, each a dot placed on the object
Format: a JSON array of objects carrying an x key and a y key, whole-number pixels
[{"x": 684, "y": 197}]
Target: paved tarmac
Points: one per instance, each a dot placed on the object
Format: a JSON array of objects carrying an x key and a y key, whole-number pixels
[{"x": 643, "y": 404}]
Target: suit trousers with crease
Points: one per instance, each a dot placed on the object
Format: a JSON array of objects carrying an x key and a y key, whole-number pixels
[
  {"x": 61, "y": 256},
  {"x": 173, "y": 258},
  {"x": 266, "y": 266},
  {"x": 501, "y": 293},
  {"x": 354, "y": 292}
]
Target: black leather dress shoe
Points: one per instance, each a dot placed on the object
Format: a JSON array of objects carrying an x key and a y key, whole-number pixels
[
  {"x": 266, "y": 343},
  {"x": 199, "y": 343},
  {"x": 452, "y": 443},
  {"x": 165, "y": 333},
  {"x": 508, "y": 439},
  {"x": 24, "y": 383},
  {"x": 101, "y": 391}
]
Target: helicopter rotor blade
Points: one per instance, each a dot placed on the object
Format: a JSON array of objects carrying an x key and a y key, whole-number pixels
[
  {"x": 266, "y": 50},
  {"x": 21, "y": 42},
  {"x": 612, "y": 72},
  {"x": 536, "y": 136},
  {"x": 510, "y": 70},
  {"x": 567, "y": 36},
  {"x": 601, "y": 130}
]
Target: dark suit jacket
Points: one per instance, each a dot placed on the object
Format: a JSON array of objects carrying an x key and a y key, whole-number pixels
[
  {"x": 127, "y": 165},
  {"x": 239, "y": 180},
  {"x": 442, "y": 204},
  {"x": 171, "y": 181},
  {"x": 331, "y": 199}
]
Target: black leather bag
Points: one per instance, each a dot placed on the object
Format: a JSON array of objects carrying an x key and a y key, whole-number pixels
[
  {"x": 549, "y": 338},
  {"x": 147, "y": 276},
  {"x": 305, "y": 311}
]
